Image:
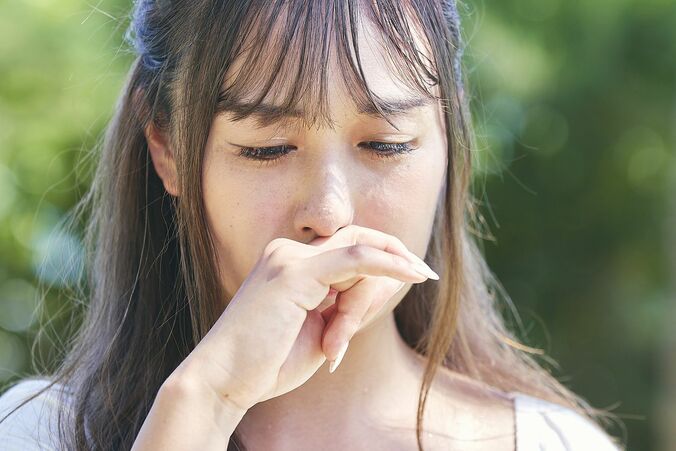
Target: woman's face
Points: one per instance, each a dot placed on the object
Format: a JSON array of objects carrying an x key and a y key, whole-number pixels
[{"x": 330, "y": 177}]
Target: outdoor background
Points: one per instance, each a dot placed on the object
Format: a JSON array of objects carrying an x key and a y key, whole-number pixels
[{"x": 575, "y": 104}]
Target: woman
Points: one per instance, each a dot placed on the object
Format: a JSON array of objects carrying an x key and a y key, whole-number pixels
[{"x": 271, "y": 181}]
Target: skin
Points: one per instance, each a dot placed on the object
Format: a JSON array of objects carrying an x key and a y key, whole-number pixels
[{"x": 327, "y": 183}]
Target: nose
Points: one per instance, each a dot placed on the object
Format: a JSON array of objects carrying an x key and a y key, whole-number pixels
[{"x": 325, "y": 197}]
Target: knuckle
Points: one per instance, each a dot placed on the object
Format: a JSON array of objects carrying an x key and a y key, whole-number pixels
[
  {"x": 270, "y": 247},
  {"x": 280, "y": 255},
  {"x": 356, "y": 251},
  {"x": 274, "y": 245},
  {"x": 280, "y": 270}
]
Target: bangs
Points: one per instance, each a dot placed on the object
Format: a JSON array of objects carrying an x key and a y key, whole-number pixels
[{"x": 286, "y": 49}]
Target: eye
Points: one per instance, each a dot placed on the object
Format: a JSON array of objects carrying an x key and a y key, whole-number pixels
[
  {"x": 265, "y": 155},
  {"x": 388, "y": 150},
  {"x": 270, "y": 155}
]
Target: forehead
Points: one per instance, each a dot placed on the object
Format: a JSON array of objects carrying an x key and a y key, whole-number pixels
[{"x": 296, "y": 64}]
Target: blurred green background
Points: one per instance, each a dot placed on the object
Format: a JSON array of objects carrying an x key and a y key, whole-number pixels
[{"x": 575, "y": 108}]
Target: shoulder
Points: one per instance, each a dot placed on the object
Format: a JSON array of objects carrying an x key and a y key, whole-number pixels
[
  {"x": 32, "y": 425},
  {"x": 543, "y": 425},
  {"x": 472, "y": 413}
]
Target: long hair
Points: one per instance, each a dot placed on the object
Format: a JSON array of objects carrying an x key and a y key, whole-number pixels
[{"x": 150, "y": 287}]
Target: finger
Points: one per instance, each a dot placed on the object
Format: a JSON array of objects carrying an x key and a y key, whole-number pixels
[
  {"x": 337, "y": 266},
  {"x": 355, "y": 306},
  {"x": 306, "y": 349},
  {"x": 276, "y": 243},
  {"x": 355, "y": 234},
  {"x": 377, "y": 305},
  {"x": 328, "y": 312}
]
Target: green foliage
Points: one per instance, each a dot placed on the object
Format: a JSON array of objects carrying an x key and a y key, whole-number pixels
[
  {"x": 60, "y": 72},
  {"x": 575, "y": 105}
]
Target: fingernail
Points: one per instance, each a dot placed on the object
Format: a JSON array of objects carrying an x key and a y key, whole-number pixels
[
  {"x": 425, "y": 271},
  {"x": 423, "y": 264},
  {"x": 334, "y": 364}
]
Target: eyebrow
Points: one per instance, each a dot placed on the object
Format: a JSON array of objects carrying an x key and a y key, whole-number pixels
[{"x": 267, "y": 114}]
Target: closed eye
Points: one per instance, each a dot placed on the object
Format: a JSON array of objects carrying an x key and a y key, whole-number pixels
[{"x": 269, "y": 155}]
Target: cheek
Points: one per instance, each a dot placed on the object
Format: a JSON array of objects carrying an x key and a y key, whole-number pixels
[
  {"x": 239, "y": 218},
  {"x": 403, "y": 201}
]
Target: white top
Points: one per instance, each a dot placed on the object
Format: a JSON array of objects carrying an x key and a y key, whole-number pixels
[{"x": 540, "y": 425}]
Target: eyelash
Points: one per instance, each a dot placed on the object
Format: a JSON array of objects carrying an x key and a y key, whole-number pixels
[{"x": 261, "y": 154}]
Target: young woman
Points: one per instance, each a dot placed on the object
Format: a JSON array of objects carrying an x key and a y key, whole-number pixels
[{"x": 270, "y": 184}]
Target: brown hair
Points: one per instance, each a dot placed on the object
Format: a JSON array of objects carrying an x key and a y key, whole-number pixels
[{"x": 151, "y": 286}]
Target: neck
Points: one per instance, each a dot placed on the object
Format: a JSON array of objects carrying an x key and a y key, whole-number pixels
[{"x": 378, "y": 378}]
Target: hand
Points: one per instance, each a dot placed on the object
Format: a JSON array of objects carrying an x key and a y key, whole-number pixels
[{"x": 272, "y": 337}]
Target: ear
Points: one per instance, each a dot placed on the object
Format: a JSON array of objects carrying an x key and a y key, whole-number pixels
[{"x": 163, "y": 158}]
